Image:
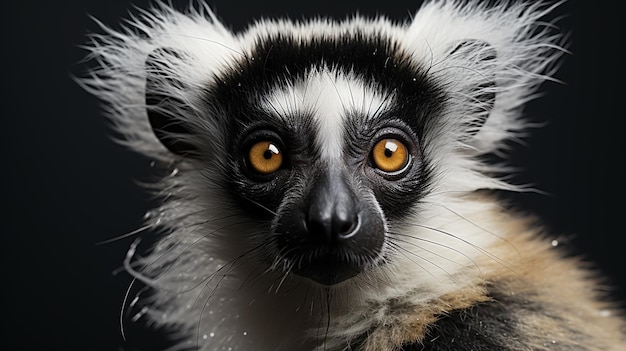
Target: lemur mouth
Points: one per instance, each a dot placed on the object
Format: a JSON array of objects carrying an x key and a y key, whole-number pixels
[
  {"x": 330, "y": 256},
  {"x": 329, "y": 269}
]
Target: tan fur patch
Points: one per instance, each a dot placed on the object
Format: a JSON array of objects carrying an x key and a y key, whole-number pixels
[
  {"x": 413, "y": 323},
  {"x": 523, "y": 264}
]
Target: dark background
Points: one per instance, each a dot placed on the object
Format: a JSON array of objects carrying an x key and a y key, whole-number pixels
[{"x": 66, "y": 186}]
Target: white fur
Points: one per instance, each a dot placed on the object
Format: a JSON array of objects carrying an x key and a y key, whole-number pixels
[
  {"x": 205, "y": 283},
  {"x": 329, "y": 98}
]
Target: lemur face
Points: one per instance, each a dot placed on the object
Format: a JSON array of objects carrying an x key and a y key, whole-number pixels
[{"x": 326, "y": 144}]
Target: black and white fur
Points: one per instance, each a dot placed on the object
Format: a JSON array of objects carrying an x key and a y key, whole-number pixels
[{"x": 330, "y": 253}]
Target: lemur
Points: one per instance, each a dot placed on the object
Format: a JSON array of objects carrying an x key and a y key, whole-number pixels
[{"x": 329, "y": 186}]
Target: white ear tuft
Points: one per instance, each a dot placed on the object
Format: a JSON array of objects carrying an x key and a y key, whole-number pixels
[
  {"x": 481, "y": 56},
  {"x": 526, "y": 48}
]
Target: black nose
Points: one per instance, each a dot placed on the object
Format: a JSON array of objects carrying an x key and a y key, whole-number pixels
[
  {"x": 332, "y": 214},
  {"x": 330, "y": 234}
]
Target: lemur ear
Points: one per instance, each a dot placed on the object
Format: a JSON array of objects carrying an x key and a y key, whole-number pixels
[
  {"x": 164, "y": 108},
  {"x": 483, "y": 95}
]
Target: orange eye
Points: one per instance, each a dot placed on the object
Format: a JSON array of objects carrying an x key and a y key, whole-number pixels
[
  {"x": 265, "y": 157},
  {"x": 390, "y": 155}
]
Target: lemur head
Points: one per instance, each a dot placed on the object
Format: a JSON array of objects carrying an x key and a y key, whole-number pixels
[
  {"x": 325, "y": 138},
  {"x": 324, "y": 141}
]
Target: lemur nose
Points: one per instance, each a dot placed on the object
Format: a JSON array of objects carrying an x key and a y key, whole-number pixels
[{"x": 332, "y": 212}]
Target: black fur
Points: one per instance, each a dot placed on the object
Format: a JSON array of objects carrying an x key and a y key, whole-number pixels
[{"x": 497, "y": 325}]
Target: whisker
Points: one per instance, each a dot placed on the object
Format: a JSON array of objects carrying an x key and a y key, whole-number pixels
[
  {"x": 273, "y": 106},
  {"x": 328, "y": 300},
  {"x": 206, "y": 281},
  {"x": 260, "y": 205},
  {"x": 478, "y": 226},
  {"x": 175, "y": 245},
  {"x": 153, "y": 281},
  {"x": 212, "y": 275},
  {"x": 352, "y": 95},
  {"x": 404, "y": 252},
  {"x": 127, "y": 264},
  {"x": 252, "y": 277},
  {"x": 478, "y": 248},
  {"x": 148, "y": 226},
  {"x": 332, "y": 81},
  {"x": 440, "y": 245},
  {"x": 204, "y": 306},
  {"x": 433, "y": 252},
  {"x": 473, "y": 70},
  {"x": 432, "y": 55},
  {"x": 231, "y": 265},
  {"x": 130, "y": 286},
  {"x": 124, "y": 236},
  {"x": 437, "y": 193},
  {"x": 282, "y": 280},
  {"x": 388, "y": 94}
]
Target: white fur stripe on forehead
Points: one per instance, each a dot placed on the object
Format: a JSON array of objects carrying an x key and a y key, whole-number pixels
[{"x": 329, "y": 97}]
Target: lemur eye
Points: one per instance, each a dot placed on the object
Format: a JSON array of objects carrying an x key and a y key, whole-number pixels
[
  {"x": 265, "y": 157},
  {"x": 390, "y": 155}
]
